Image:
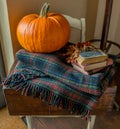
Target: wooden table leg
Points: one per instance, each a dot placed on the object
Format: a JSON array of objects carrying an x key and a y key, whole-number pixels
[{"x": 29, "y": 122}]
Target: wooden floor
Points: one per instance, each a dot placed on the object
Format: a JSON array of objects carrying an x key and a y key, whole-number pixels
[
  {"x": 10, "y": 122},
  {"x": 59, "y": 123},
  {"x": 106, "y": 121}
]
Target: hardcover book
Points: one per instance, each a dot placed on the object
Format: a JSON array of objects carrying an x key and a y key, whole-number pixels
[
  {"x": 91, "y": 72},
  {"x": 92, "y": 66},
  {"x": 91, "y": 56}
]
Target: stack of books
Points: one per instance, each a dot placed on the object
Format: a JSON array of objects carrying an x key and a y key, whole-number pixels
[{"x": 91, "y": 61}]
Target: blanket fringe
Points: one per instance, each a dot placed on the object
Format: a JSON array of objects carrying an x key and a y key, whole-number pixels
[
  {"x": 56, "y": 100},
  {"x": 49, "y": 96}
]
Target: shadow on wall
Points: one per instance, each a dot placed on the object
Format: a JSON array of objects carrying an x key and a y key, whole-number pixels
[
  {"x": 2, "y": 68},
  {"x": 2, "y": 76}
]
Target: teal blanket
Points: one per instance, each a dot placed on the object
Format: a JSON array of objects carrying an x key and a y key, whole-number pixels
[{"x": 47, "y": 77}]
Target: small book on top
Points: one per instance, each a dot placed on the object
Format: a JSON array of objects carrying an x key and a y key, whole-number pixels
[{"x": 92, "y": 55}]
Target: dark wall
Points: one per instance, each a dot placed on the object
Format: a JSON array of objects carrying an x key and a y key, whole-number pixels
[{"x": 2, "y": 69}]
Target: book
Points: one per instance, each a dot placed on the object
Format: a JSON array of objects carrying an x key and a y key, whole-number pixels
[
  {"x": 92, "y": 66},
  {"x": 91, "y": 56},
  {"x": 108, "y": 62},
  {"x": 91, "y": 72}
]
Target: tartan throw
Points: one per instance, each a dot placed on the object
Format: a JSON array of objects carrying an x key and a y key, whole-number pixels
[{"x": 47, "y": 77}]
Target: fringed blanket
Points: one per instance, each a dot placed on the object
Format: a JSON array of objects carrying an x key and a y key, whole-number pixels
[{"x": 47, "y": 77}]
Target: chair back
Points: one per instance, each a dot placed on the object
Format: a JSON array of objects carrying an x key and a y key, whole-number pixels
[{"x": 78, "y": 24}]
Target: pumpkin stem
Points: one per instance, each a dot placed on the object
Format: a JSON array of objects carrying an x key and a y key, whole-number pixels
[{"x": 44, "y": 10}]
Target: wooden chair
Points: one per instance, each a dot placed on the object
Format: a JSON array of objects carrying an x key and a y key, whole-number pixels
[{"x": 29, "y": 106}]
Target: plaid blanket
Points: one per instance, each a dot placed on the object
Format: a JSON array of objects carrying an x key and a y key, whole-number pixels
[{"x": 47, "y": 77}]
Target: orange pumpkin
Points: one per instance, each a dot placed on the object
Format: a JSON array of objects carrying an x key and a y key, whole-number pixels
[{"x": 47, "y": 32}]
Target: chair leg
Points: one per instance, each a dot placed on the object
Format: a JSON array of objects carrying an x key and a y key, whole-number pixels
[
  {"x": 116, "y": 106},
  {"x": 91, "y": 122},
  {"x": 29, "y": 122}
]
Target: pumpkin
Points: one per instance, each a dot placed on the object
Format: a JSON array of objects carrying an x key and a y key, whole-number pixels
[{"x": 45, "y": 33}]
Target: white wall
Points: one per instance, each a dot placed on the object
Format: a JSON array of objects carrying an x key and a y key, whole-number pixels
[
  {"x": 114, "y": 30},
  {"x": 100, "y": 18},
  {"x": 5, "y": 36}
]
